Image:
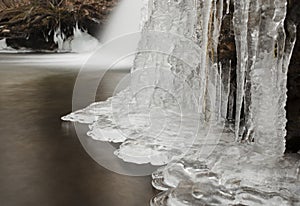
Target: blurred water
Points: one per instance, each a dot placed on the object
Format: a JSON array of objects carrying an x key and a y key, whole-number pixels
[{"x": 42, "y": 160}]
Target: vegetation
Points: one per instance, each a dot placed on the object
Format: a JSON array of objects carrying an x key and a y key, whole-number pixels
[{"x": 31, "y": 23}]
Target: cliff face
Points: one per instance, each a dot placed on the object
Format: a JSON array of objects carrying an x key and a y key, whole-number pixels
[{"x": 31, "y": 24}]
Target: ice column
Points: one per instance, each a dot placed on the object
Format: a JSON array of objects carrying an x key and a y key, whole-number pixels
[
  {"x": 168, "y": 55},
  {"x": 262, "y": 54}
]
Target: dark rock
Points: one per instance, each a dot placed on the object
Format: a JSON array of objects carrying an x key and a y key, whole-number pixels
[{"x": 293, "y": 103}]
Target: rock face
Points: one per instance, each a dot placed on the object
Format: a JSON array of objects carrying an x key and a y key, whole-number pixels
[
  {"x": 293, "y": 103},
  {"x": 31, "y": 25}
]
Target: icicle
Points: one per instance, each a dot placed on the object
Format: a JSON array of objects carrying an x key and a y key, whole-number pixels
[
  {"x": 217, "y": 16},
  {"x": 146, "y": 11},
  {"x": 268, "y": 81},
  {"x": 240, "y": 27},
  {"x": 59, "y": 38},
  {"x": 227, "y": 6},
  {"x": 3, "y": 44},
  {"x": 204, "y": 9},
  {"x": 252, "y": 44}
]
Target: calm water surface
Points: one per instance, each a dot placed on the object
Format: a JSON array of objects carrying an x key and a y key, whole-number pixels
[{"x": 41, "y": 159}]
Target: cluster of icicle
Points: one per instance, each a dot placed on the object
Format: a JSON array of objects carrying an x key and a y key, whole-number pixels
[
  {"x": 79, "y": 42},
  {"x": 175, "y": 110}
]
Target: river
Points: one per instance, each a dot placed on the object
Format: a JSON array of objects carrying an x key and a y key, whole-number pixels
[{"x": 42, "y": 160}]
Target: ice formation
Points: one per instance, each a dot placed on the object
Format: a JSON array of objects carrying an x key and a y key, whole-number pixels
[
  {"x": 4, "y": 48},
  {"x": 80, "y": 42},
  {"x": 176, "y": 109},
  {"x": 3, "y": 44}
]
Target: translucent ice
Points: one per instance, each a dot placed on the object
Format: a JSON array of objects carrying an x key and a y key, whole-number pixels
[{"x": 176, "y": 109}]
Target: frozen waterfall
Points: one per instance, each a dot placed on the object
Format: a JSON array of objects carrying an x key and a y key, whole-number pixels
[{"x": 222, "y": 142}]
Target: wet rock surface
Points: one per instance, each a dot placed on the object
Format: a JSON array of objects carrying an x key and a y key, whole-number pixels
[{"x": 293, "y": 103}]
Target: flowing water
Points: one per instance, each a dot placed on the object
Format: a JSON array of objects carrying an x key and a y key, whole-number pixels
[
  {"x": 175, "y": 109},
  {"x": 42, "y": 160}
]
